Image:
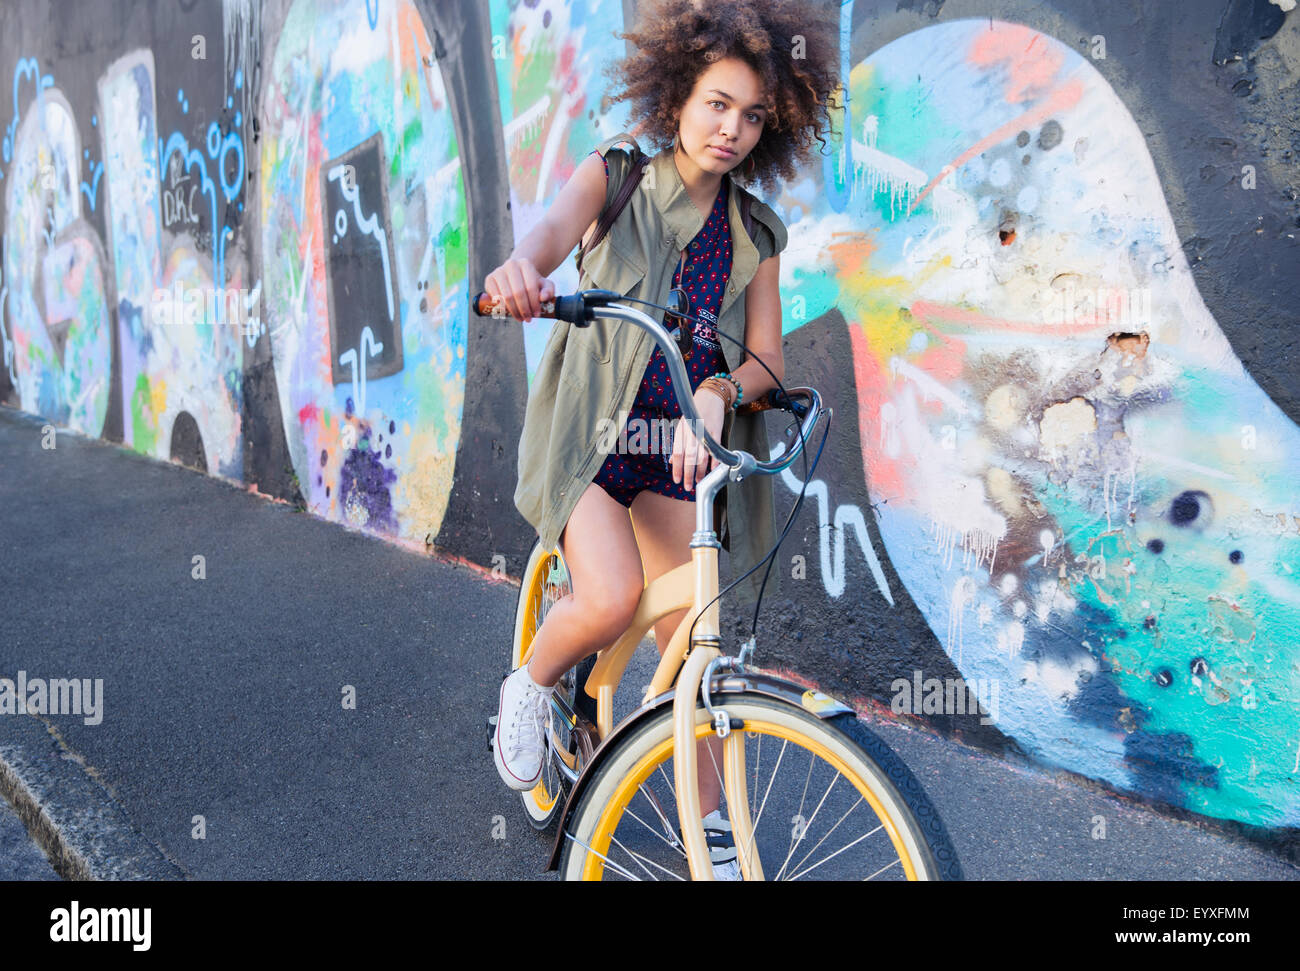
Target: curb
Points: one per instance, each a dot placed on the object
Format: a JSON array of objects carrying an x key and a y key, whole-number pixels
[{"x": 70, "y": 814}]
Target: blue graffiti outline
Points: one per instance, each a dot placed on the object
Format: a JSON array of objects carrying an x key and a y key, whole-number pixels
[
  {"x": 372, "y": 13},
  {"x": 217, "y": 148},
  {"x": 193, "y": 158},
  {"x": 91, "y": 190},
  {"x": 367, "y": 224},
  {"x": 836, "y": 189},
  {"x": 231, "y": 140},
  {"x": 25, "y": 66}
]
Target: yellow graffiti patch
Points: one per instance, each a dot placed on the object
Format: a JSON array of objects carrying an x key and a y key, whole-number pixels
[
  {"x": 158, "y": 398},
  {"x": 424, "y": 486}
]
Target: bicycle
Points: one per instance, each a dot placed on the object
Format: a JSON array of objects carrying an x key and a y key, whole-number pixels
[{"x": 595, "y": 769}]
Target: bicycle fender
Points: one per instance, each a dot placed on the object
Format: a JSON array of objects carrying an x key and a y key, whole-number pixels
[{"x": 755, "y": 682}]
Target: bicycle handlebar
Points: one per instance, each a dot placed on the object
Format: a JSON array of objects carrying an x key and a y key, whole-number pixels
[{"x": 581, "y": 308}]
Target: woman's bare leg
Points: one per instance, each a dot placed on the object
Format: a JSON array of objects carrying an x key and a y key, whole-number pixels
[
  {"x": 664, "y": 527},
  {"x": 600, "y": 549}
]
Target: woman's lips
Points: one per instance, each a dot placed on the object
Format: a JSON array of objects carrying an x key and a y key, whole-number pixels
[{"x": 721, "y": 152}]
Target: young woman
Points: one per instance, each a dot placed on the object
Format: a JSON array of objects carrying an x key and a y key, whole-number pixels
[{"x": 730, "y": 88}]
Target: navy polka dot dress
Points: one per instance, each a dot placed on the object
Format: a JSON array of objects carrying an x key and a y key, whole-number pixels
[{"x": 645, "y": 461}]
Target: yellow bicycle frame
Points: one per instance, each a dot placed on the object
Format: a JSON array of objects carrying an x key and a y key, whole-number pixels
[{"x": 691, "y": 585}]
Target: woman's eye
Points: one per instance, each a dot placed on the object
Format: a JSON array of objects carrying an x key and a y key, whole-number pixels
[{"x": 754, "y": 119}]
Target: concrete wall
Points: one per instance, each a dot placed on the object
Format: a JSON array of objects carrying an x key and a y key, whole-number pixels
[{"x": 1047, "y": 277}]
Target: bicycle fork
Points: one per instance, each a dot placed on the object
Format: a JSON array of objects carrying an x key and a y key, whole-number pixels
[
  {"x": 685, "y": 767},
  {"x": 699, "y": 664}
]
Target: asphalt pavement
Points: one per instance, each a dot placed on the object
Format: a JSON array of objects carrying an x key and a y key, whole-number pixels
[{"x": 225, "y": 745}]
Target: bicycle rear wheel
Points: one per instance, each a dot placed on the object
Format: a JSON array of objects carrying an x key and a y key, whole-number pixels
[
  {"x": 545, "y": 582},
  {"x": 828, "y": 798}
]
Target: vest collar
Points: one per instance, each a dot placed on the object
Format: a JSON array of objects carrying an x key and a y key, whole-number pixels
[{"x": 684, "y": 221}]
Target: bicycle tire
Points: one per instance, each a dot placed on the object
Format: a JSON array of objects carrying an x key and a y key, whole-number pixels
[
  {"x": 544, "y": 802},
  {"x": 913, "y": 827}
]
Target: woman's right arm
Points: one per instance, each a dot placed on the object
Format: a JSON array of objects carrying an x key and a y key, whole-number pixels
[{"x": 521, "y": 280}]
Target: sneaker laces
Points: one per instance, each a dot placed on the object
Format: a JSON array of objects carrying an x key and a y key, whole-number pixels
[{"x": 526, "y": 734}]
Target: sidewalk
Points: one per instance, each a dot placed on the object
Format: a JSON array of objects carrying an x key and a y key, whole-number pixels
[{"x": 223, "y": 714}]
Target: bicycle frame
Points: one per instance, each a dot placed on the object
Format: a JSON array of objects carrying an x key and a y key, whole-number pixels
[{"x": 692, "y": 585}]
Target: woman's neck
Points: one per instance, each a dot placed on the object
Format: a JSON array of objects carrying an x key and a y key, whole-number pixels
[{"x": 701, "y": 186}]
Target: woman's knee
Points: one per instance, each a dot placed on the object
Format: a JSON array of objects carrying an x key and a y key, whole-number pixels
[
  {"x": 611, "y": 605},
  {"x": 600, "y": 548}
]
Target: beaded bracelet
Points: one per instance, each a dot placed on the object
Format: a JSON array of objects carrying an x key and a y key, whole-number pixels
[{"x": 740, "y": 392}]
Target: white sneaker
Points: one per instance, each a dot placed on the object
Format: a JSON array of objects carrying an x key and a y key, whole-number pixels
[
  {"x": 722, "y": 846},
  {"x": 519, "y": 744}
]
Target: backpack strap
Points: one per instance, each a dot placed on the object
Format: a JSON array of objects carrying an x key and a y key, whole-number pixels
[{"x": 607, "y": 218}]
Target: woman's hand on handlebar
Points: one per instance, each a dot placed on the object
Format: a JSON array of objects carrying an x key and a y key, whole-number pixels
[
  {"x": 691, "y": 458},
  {"x": 522, "y": 290}
]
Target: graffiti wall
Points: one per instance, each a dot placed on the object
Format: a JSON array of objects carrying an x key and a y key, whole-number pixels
[
  {"x": 1080, "y": 486},
  {"x": 1049, "y": 294},
  {"x": 364, "y": 244}
]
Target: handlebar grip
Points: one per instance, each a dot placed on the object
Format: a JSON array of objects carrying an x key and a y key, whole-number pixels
[
  {"x": 573, "y": 309},
  {"x": 486, "y": 305},
  {"x": 772, "y": 401}
]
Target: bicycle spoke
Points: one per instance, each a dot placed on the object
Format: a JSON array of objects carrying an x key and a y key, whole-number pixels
[
  {"x": 803, "y": 798},
  {"x": 669, "y": 781},
  {"x": 808, "y": 825},
  {"x": 638, "y": 858},
  {"x": 651, "y": 798},
  {"x": 828, "y": 833},
  {"x": 608, "y": 861},
  {"x": 838, "y": 852},
  {"x": 670, "y": 844},
  {"x": 722, "y": 789},
  {"x": 753, "y": 830},
  {"x": 898, "y": 862}
]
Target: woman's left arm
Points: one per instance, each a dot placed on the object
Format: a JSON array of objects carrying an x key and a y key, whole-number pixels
[{"x": 762, "y": 331}]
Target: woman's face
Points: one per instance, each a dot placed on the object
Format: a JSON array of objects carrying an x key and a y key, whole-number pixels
[{"x": 720, "y": 123}]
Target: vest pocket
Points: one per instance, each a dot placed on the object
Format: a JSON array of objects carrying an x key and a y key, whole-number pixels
[{"x": 607, "y": 267}]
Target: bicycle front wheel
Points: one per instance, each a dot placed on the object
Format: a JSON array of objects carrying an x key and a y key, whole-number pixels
[{"x": 829, "y": 801}]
